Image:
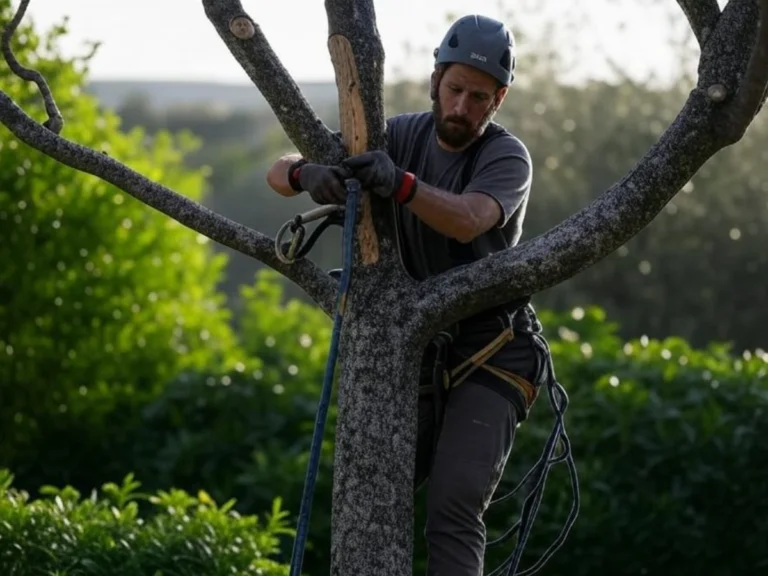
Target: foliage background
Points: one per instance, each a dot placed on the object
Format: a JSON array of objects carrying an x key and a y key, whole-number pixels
[{"x": 131, "y": 348}]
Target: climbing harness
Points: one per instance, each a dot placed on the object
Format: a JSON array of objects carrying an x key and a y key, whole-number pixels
[
  {"x": 295, "y": 251},
  {"x": 445, "y": 378}
]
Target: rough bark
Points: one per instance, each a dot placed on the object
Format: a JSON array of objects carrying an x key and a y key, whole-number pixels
[
  {"x": 389, "y": 317},
  {"x": 45, "y": 138},
  {"x": 702, "y": 16},
  {"x": 372, "y": 525},
  {"x": 372, "y": 504}
]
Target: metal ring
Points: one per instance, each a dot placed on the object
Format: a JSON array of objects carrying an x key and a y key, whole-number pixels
[{"x": 289, "y": 258}]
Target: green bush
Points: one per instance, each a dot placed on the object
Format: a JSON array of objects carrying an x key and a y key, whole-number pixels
[
  {"x": 246, "y": 433},
  {"x": 102, "y": 299},
  {"x": 666, "y": 440},
  {"x": 64, "y": 534}
]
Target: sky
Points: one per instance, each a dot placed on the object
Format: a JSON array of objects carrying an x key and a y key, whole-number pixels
[{"x": 173, "y": 39}]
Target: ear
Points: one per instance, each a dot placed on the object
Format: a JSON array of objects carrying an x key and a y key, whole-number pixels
[
  {"x": 501, "y": 93},
  {"x": 434, "y": 82}
]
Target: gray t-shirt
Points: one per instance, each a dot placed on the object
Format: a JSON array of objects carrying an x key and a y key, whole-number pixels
[{"x": 501, "y": 169}]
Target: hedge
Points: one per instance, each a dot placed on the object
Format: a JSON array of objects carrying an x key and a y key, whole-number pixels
[{"x": 121, "y": 532}]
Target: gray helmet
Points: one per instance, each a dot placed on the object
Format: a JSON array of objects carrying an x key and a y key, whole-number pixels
[{"x": 480, "y": 42}]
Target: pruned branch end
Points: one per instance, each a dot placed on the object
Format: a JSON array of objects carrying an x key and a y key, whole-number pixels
[{"x": 242, "y": 27}]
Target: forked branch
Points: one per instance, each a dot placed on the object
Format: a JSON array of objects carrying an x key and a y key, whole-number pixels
[
  {"x": 54, "y": 122},
  {"x": 247, "y": 43},
  {"x": 702, "y": 16},
  {"x": 751, "y": 95}
]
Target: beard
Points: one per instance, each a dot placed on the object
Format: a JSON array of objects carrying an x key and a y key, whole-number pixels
[{"x": 457, "y": 131}]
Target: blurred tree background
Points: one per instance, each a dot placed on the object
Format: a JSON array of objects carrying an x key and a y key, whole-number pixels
[{"x": 131, "y": 345}]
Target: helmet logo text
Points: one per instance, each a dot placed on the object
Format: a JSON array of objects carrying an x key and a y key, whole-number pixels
[{"x": 476, "y": 56}]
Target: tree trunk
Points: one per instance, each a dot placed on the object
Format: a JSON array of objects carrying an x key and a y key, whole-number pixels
[{"x": 375, "y": 449}]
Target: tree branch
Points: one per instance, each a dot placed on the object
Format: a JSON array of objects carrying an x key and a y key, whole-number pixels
[
  {"x": 703, "y": 127},
  {"x": 55, "y": 121},
  {"x": 247, "y": 43},
  {"x": 752, "y": 88},
  {"x": 318, "y": 285},
  {"x": 702, "y": 16},
  {"x": 586, "y": 237},
  {"x": 357, "y": 56},
  {"x": 355, "y": 20},
  {"x": 358, "y": 59}
]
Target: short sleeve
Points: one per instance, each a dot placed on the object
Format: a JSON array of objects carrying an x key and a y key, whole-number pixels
[{"x": 503, "y": 171}]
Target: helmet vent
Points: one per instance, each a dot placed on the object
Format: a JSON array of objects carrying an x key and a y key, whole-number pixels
[
  {"x": 454, "y": 41},
  {"x": 506, "y": 60}
]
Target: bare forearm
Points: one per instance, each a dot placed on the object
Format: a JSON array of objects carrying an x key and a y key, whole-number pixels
[
  {"x": 277, "y": 176},
  {"x": 462, "y": 217}
]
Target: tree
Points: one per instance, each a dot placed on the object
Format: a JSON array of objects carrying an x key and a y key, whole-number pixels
[{"x": 389, "y": 318}]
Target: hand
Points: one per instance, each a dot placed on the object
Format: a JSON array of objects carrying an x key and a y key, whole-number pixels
[
  {"x": 376, "y": 172},
  {"x": 325, "y": 184}
]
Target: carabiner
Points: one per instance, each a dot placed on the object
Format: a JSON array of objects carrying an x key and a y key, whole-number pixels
[{"x": 297, "y": 228}]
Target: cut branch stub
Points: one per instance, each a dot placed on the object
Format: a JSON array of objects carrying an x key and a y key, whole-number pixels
[
  {"x": 242, "y": 27},
  {"x": 733, "y": 68},
  {"x": 354, "y": 131}
]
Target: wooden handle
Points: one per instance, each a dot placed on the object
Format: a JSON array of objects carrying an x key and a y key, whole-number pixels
[{"x": 354, "y": 131}]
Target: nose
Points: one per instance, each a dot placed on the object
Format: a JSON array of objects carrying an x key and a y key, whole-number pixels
[{"x": 461, "y": 105}]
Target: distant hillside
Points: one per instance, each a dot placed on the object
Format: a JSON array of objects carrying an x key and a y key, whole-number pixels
[{"x": 228, "y": 96}]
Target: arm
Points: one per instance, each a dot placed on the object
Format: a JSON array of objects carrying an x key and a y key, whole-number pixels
[
  {"x": 462, "y": 217},
  {"x": 500, "y": 184},
  {"x": 277, "y": 176}
]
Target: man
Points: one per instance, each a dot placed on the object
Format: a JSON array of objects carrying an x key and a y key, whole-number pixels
[{"x": 461, "y": 185}]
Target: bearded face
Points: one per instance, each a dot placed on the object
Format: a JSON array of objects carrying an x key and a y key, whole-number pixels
[{"x": 466, "y": 100}]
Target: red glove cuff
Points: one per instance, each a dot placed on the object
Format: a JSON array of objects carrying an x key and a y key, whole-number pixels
[
  {"x": 407, "y": 189},
  {"x": 294, "y": 172}
]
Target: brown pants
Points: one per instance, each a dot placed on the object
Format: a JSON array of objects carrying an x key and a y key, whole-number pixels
[{"x": 465, "y": 463}]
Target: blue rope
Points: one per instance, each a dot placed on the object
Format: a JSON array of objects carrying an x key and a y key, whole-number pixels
[{"x": 353, "y": 192}]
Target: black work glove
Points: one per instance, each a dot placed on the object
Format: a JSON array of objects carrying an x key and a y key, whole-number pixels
[
  {"x": 325, "y": 184},
  {"x": 378, "y": 173}
]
